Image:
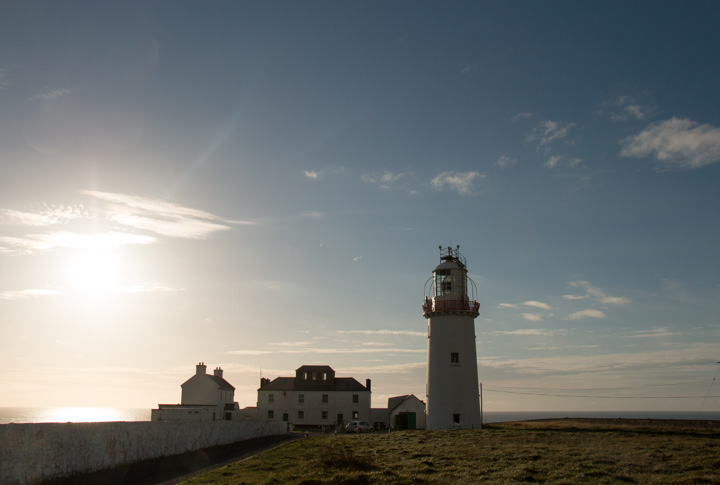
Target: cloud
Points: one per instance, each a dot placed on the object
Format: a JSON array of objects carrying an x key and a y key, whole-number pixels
[
  {"x": 53, "y": 215},
  {"x": 678, "y": 143},
  {"x": 589, "y": 313},
  {"x": 461, "y": 182},
  {"x": 330, "y": 351},
  {"x": 384, "y": 178},
  {"x": 507, "y": 305},
  {"x": 626, "y": 108},
  {"x": 549, "y": 131},
  {"x": 33, "y": 243},
  {"x": 597, "y": 293},
  {"x": 654, "y": 333},
  {"x": 51, "y": 95},
  {"x": 386, "y": 332},
  {"x": 313, "y": 215},
  {"x": 522, "y": 116},
  {"x": 25, "y": 294},
  {"x": 537, "y": 304},
  {"x": 504, "y": 162},
  {"x": 466, "y": 69},
  {"x": 533, "y": 317},
  {"x": 160, "y": 217},
  {"x": 356, "y": 259},
  {"x": 312, "y": 174},
  {"x": 539, "y": 332},
  {"x": 146, "y": 287}
]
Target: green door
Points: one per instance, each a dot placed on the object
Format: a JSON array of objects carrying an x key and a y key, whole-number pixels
[
  {"x": 339, "y": 419},
  {"x": 411, "y": 421},
  {"x": 285, "y": 417}
]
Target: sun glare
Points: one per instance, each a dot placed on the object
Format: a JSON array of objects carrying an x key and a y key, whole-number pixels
[{"x": 93, "y": 271}]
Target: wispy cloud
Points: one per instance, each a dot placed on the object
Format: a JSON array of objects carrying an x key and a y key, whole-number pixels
[
  {"x": 161, "y": 217},
  {"x": 383, "y": 179},
  {"x": 51, "y": 94},
  {"x": 462, "y": 182},
  {"x": 45, "y": 217},
  {"x": 537, "y": 304},
  {"x": 313, "y": 215},
  {"x": 466, "y": 69},
  {"x": 676, "y": 142},
  {"x": 589, "y": 313},
  {"x": 522, "y": 116},
  {"x": 386, "y": 332},
  {"x": 552, "y": 162},
  {"x": 627, "y": 108},
  {"x": 654, "y": 333},
  {"x": 508, "y": 305},
  {"x": 536, "y": 332},
  {"x": 532, "y": 317},
  {"x": 34, "y": 243},
  {"x": 329, "y": 351},
  {"x": 549, "y": 131},
  {"x": 312, "y": 174},
  {"x": 504, "y": 162},
  {"x": 595, "y": 292},
  {"x": 25, "y": 294}
]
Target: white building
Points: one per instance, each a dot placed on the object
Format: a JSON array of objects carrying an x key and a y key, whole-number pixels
[
  {"x": 406, "y": 412},
  {"x": 452, "y": 373},
  {"x": 204, "y": 398},
  {"x": 314, "y": 397}
]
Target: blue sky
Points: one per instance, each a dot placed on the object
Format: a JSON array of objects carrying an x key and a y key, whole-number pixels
[{"x": 262, "y": 185}]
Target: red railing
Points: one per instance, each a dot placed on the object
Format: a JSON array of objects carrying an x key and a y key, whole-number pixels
[{"x": 450, "y": 306}]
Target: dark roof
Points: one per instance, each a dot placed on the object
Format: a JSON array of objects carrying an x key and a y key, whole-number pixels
[
  {"x": 224, "y": 385},
  {"x": 291, "y": 384},
  {"x": 396, "y": 401}
]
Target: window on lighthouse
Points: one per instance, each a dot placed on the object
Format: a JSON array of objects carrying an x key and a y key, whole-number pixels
[
  {"x": 443, "y": 282},
  {"x": 454, "y": 357}
]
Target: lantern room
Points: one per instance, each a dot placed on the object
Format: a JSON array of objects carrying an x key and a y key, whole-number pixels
[{"x": 449, "y": 289}]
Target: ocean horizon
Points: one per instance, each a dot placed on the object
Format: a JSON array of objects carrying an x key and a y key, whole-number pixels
[{"x": 106, "y": 414}]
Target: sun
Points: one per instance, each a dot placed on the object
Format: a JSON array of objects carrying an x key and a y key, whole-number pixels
[{"x": 93, "y": 271}]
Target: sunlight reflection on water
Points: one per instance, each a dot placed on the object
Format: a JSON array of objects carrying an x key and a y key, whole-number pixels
[{"x": 78, "y": 414}]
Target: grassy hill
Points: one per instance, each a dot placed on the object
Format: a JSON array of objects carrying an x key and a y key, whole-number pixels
[{"x": 560, "y": 451}]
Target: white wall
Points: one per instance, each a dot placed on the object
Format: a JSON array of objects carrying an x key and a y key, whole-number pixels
[
  {"x": 339, "y": 402},
  {"x": 33, "y": 452}
]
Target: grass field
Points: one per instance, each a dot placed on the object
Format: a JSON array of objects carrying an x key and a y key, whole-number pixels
[{"x": 560, "y": 451}]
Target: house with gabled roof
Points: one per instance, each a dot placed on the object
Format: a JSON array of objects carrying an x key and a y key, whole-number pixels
[
  {"x": 406, "y": 412},
  {"x": 314, "y": 397},
  {"x": 204, "y": 397}
]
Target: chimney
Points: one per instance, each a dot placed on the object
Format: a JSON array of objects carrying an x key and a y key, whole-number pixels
[
  {"x": 263, "y": 381},
  {"x": 217, "y": 372},
  {"x": 200, "y": 369},
  {"x": 367, "y": 384}
]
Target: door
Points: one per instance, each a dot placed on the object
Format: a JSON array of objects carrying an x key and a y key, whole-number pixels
[
  {"x": 411, "y": 421},
  {"x": 339, "y": 419}
]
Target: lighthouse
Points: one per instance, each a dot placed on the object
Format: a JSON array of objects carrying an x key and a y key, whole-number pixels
[{"x": 450, "y": 308}]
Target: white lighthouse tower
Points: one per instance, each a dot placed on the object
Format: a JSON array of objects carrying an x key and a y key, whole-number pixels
[{"x": 452, "y": 374}]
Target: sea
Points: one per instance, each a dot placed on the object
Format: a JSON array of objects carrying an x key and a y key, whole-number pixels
[{"x": 101, "y": 414}]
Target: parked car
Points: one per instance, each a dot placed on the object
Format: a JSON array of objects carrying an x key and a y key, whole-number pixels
[{"x": 358, "y": 427}]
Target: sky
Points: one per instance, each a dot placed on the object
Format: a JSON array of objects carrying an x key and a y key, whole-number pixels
[{"x": 264, "y": 185}]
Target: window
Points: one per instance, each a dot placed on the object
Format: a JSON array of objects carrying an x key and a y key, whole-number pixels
[
  {"x": 324, "y": 376},
  {"x": 314, "y": 374},
  {"x": 456, "y": 418},
  {"x": 301, "y": 414},
  {"x": 324, "y": 398},
  {"x": 304, "y": 376},
  {"x": 324, "y": 415},
  {"x": 301, "y": 398},
  {"x": 355, "y": 415},
  {"x": 356, "y": 399},
  {"x": 271, "y": 397},
  {"x": 443, "y": 282},
  {"x": 271, "y": 414},
  {"x": 454, "y": 357}
]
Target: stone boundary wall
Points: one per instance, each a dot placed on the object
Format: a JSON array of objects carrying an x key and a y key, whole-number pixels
[{"x": 35, "y": 452}]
